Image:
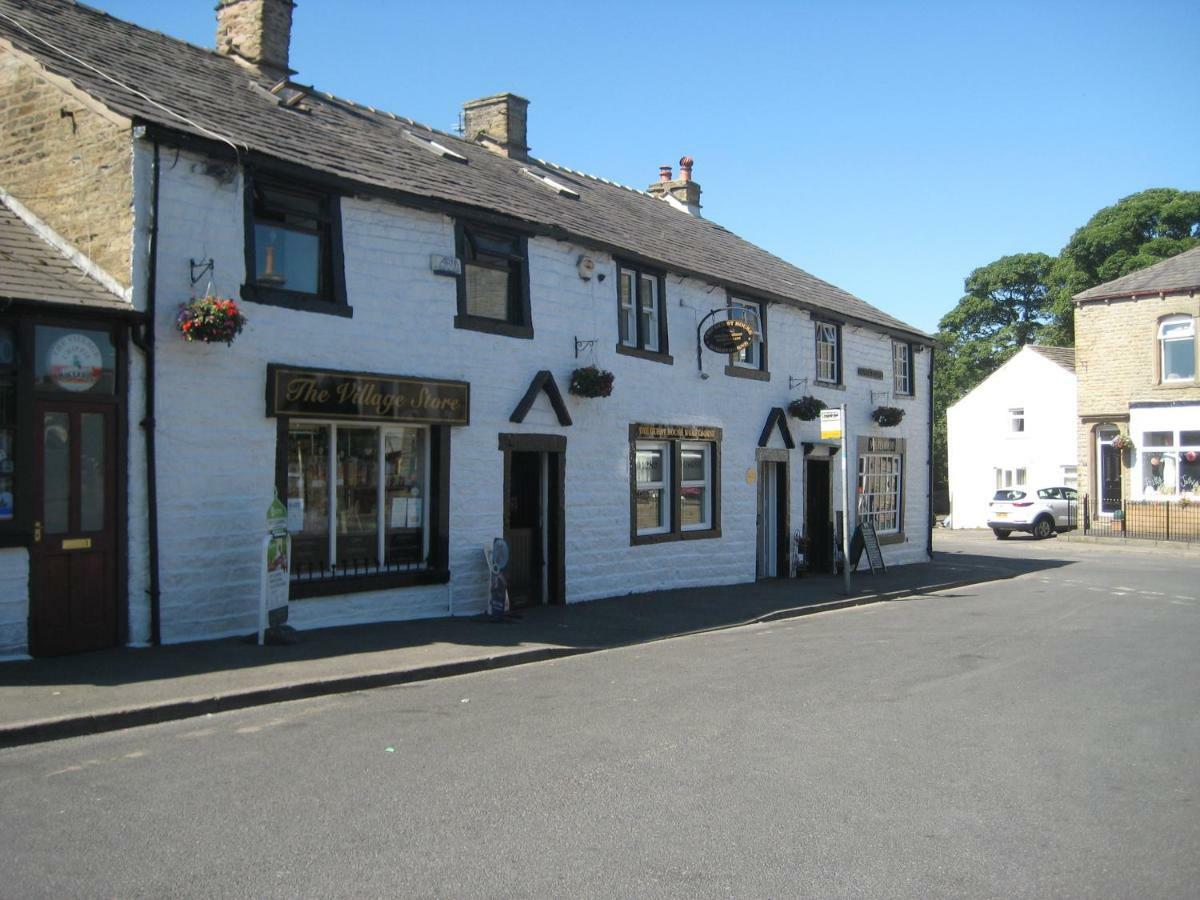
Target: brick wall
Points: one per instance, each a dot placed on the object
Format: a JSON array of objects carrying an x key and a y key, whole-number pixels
[
  {"x": 1117, "y": 363},
  {"x": 69, "y": 164}
]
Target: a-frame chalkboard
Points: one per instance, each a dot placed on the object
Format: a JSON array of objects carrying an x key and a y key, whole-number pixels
[{"x": 865, "y": 538}]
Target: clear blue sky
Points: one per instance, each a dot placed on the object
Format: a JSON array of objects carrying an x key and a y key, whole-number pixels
[{"x": 887, "y": 147}]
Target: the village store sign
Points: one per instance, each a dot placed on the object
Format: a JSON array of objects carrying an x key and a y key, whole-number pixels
[{"x": 326, "y": 394}]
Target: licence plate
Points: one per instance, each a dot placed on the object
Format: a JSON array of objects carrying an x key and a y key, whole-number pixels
[{"x": 1001, "y": 515}]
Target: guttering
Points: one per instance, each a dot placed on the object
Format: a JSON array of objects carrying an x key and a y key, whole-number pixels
[
  {"x": 146, "y": 345},
  {"x": 929, "y": 477}
]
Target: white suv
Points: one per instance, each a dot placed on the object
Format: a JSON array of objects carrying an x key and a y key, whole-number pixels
[{"x": 1042, "y": 513}]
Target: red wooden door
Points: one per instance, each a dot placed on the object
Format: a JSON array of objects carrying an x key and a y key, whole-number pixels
[{"x": 73, "y": 593}]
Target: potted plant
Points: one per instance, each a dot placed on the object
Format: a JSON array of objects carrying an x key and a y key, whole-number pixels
[
  {"x": 887, "y": 416},
  {"x": 211, "y": 320},
  {"x": 806, "y": 408},
  {"x": 1122, "y": 442},
  {"x": 591, "y": 381}
]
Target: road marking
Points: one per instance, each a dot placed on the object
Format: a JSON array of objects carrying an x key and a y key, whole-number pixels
[
  {"x": 1120, "y": 594},
  {"x": 1152, "y": 593},
  {"x": 1182, "y": 597}
]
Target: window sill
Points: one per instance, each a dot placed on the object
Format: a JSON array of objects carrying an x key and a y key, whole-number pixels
[
  {"x": 1175, "y": 385},
  {"x": 353, "y": 584},
  {"x": 831, "y": 385},
  {"x": 670, "y": 536},
  {"x": 292, "y": 300},
  {"x": 651, "y": 355},
  {"x": 493, "y": 326},
  {"x": 746, "y": 372},
  {"x": 885, "y": 539}
]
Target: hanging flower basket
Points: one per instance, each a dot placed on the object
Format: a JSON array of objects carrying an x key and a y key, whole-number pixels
[
  {"x": 806, "y": 408},
  {"x": 591, "y": 382},
  {"x": 1122, "y": 442},
  {"x": 887, "y": 416},
  {"x": 211, "y": 320}
]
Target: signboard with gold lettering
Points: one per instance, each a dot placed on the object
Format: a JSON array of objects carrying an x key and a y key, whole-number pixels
[
  {"x": 683, "y": 432},
  {"x": 327, "y": 394}
]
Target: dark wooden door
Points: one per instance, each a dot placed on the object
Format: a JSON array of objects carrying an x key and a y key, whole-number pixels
[
  {"x": 818, "y": 524},
  {"x": 73, "y": 593},
  {"x": 525, "y": 529}
]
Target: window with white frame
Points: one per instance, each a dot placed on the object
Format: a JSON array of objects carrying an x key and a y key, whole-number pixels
[
  {"x": 829, "y": 345},
  {"x": 358, "y": 499},
  {"x": 1006, "y": 478},
  {"x": 1070, "y": 476},
  {"x": 641, "y": 319},
  {"x": 880, "y": 482},
  {"x": 695, "y": 486},
  {"x": 652, "y": 498},
  {"x": 753, "y": 355},
  {"x": 1170, "y": 463},
  {"x": 1177, "y": 348},
  {"x": 902, "y": 358},
  {"x": 1016, "y": 420}
]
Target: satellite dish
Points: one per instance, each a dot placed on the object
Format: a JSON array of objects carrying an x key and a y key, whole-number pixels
[{"x": 499, "y": 555}]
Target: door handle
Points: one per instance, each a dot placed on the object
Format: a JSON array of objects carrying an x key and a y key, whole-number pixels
[{"x": 37, "y": 532}]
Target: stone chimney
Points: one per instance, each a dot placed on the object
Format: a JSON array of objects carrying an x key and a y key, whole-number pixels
[
  {"x": 256, "y": 33},
  {"x": 498, "y": 122},
  {"x": 682, "y": 193}
]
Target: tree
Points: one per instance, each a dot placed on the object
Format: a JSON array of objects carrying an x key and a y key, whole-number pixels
[{"x": 1135, "y": 232}]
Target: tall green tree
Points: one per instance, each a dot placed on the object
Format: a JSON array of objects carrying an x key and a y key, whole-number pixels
[{"x": 1135, "y": 232}]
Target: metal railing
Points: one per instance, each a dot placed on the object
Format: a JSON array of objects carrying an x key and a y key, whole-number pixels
[{"x": 1155, "y": 520}]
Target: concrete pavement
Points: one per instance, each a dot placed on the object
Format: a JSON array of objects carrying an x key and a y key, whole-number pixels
[{"x": 47, "y": 699}]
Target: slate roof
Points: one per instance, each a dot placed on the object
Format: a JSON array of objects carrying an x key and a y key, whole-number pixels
[
  {"x": 33, "y": 269},
  {"x": 1178, "y": 273},
  {"x": 1063, "y": 356},
  {"x": 152, "y": 78}
]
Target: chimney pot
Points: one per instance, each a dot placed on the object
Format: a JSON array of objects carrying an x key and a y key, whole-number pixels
[
  {"x": 501, "y": 121},
  {"x": 685, "y": 168},
  {"x": 664, "y": 173},
  {"x": 683, "y": 193}
]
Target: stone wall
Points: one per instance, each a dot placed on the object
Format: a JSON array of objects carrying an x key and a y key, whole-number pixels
[
  {"x": 1117, "y": 363},
  {"x": 68, "y": 163}
]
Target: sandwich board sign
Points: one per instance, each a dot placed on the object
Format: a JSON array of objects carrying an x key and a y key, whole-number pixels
[{"x": 831, "y": 424}]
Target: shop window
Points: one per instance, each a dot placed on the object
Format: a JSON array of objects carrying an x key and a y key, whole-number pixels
[
  {"x": 1170, "y": 467},
  {"x": 881, "y": 484},
  {"x": 752, "y": 358},
  {"x": 493, "y": 291},
  {"x": 675, "y": 487},
  {"x": 1177, "y": 348},
  {"x": 294, "y": 247},
  {"x": 641, "y": 313},
  {"x": 358, "y": 500},
  {"x": 829, "y": 352},
  {"x": 902, "y": 366}
]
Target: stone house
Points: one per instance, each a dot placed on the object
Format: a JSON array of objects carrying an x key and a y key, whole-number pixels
[
  {"x": 418, "y": 304},
  {"x": 1015, "y": 429},
  {"x": 1136, "y": 359}
]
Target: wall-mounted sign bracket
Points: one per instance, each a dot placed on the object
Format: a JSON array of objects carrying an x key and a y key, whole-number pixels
[
  {"x": 583, "y": 345},
  {"x": 794, "y": 383},
  {"x": 200, "y": 268}
]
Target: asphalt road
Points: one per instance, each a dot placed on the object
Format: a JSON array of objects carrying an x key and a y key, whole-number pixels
[{"x": 1032, "y": 737}]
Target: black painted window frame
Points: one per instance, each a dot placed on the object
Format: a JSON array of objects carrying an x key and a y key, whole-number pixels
[
  {"x": 331, "y": 297},
  {"x": 839, "y": 362},
  {"x": 675, "y": 530},
  {"x": 519, "y": 320},
  {"x": 638, "y": 348}
]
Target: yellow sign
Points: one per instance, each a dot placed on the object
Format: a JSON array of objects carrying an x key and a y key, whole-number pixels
[
  {"x": 831, "y": 424},
  {"x": 751, "y": 475},
  {"x": 77, "y": 544}
]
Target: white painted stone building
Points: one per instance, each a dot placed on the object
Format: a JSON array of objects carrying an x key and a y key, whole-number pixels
[
  {"x": 1015, "y": 429},
  {"x": 463, "y": 269}
]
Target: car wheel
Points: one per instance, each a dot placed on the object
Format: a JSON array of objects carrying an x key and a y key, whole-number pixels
[
  {"x": 1001, "y": 534},
  {"x": 1043, "y": 528}
]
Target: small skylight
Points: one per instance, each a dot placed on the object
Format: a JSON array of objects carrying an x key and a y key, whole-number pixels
[
  {"x": 549, "y": 182},
  {"x": 434, "y": 147}
]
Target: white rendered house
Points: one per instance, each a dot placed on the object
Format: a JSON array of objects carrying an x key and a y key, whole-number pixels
[{"x": 1016, "y": 429}]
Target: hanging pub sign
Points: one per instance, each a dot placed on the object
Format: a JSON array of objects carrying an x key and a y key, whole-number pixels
[
  {"x": 728, "y": 336},
  {"x": 330, "y": 394}
]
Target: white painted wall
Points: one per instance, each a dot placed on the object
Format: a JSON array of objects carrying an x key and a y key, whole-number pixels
[
  {"x": 216, "y": 447},
  {"x": 14, "y": 603},
  {"x": 980, "y": 440}
]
